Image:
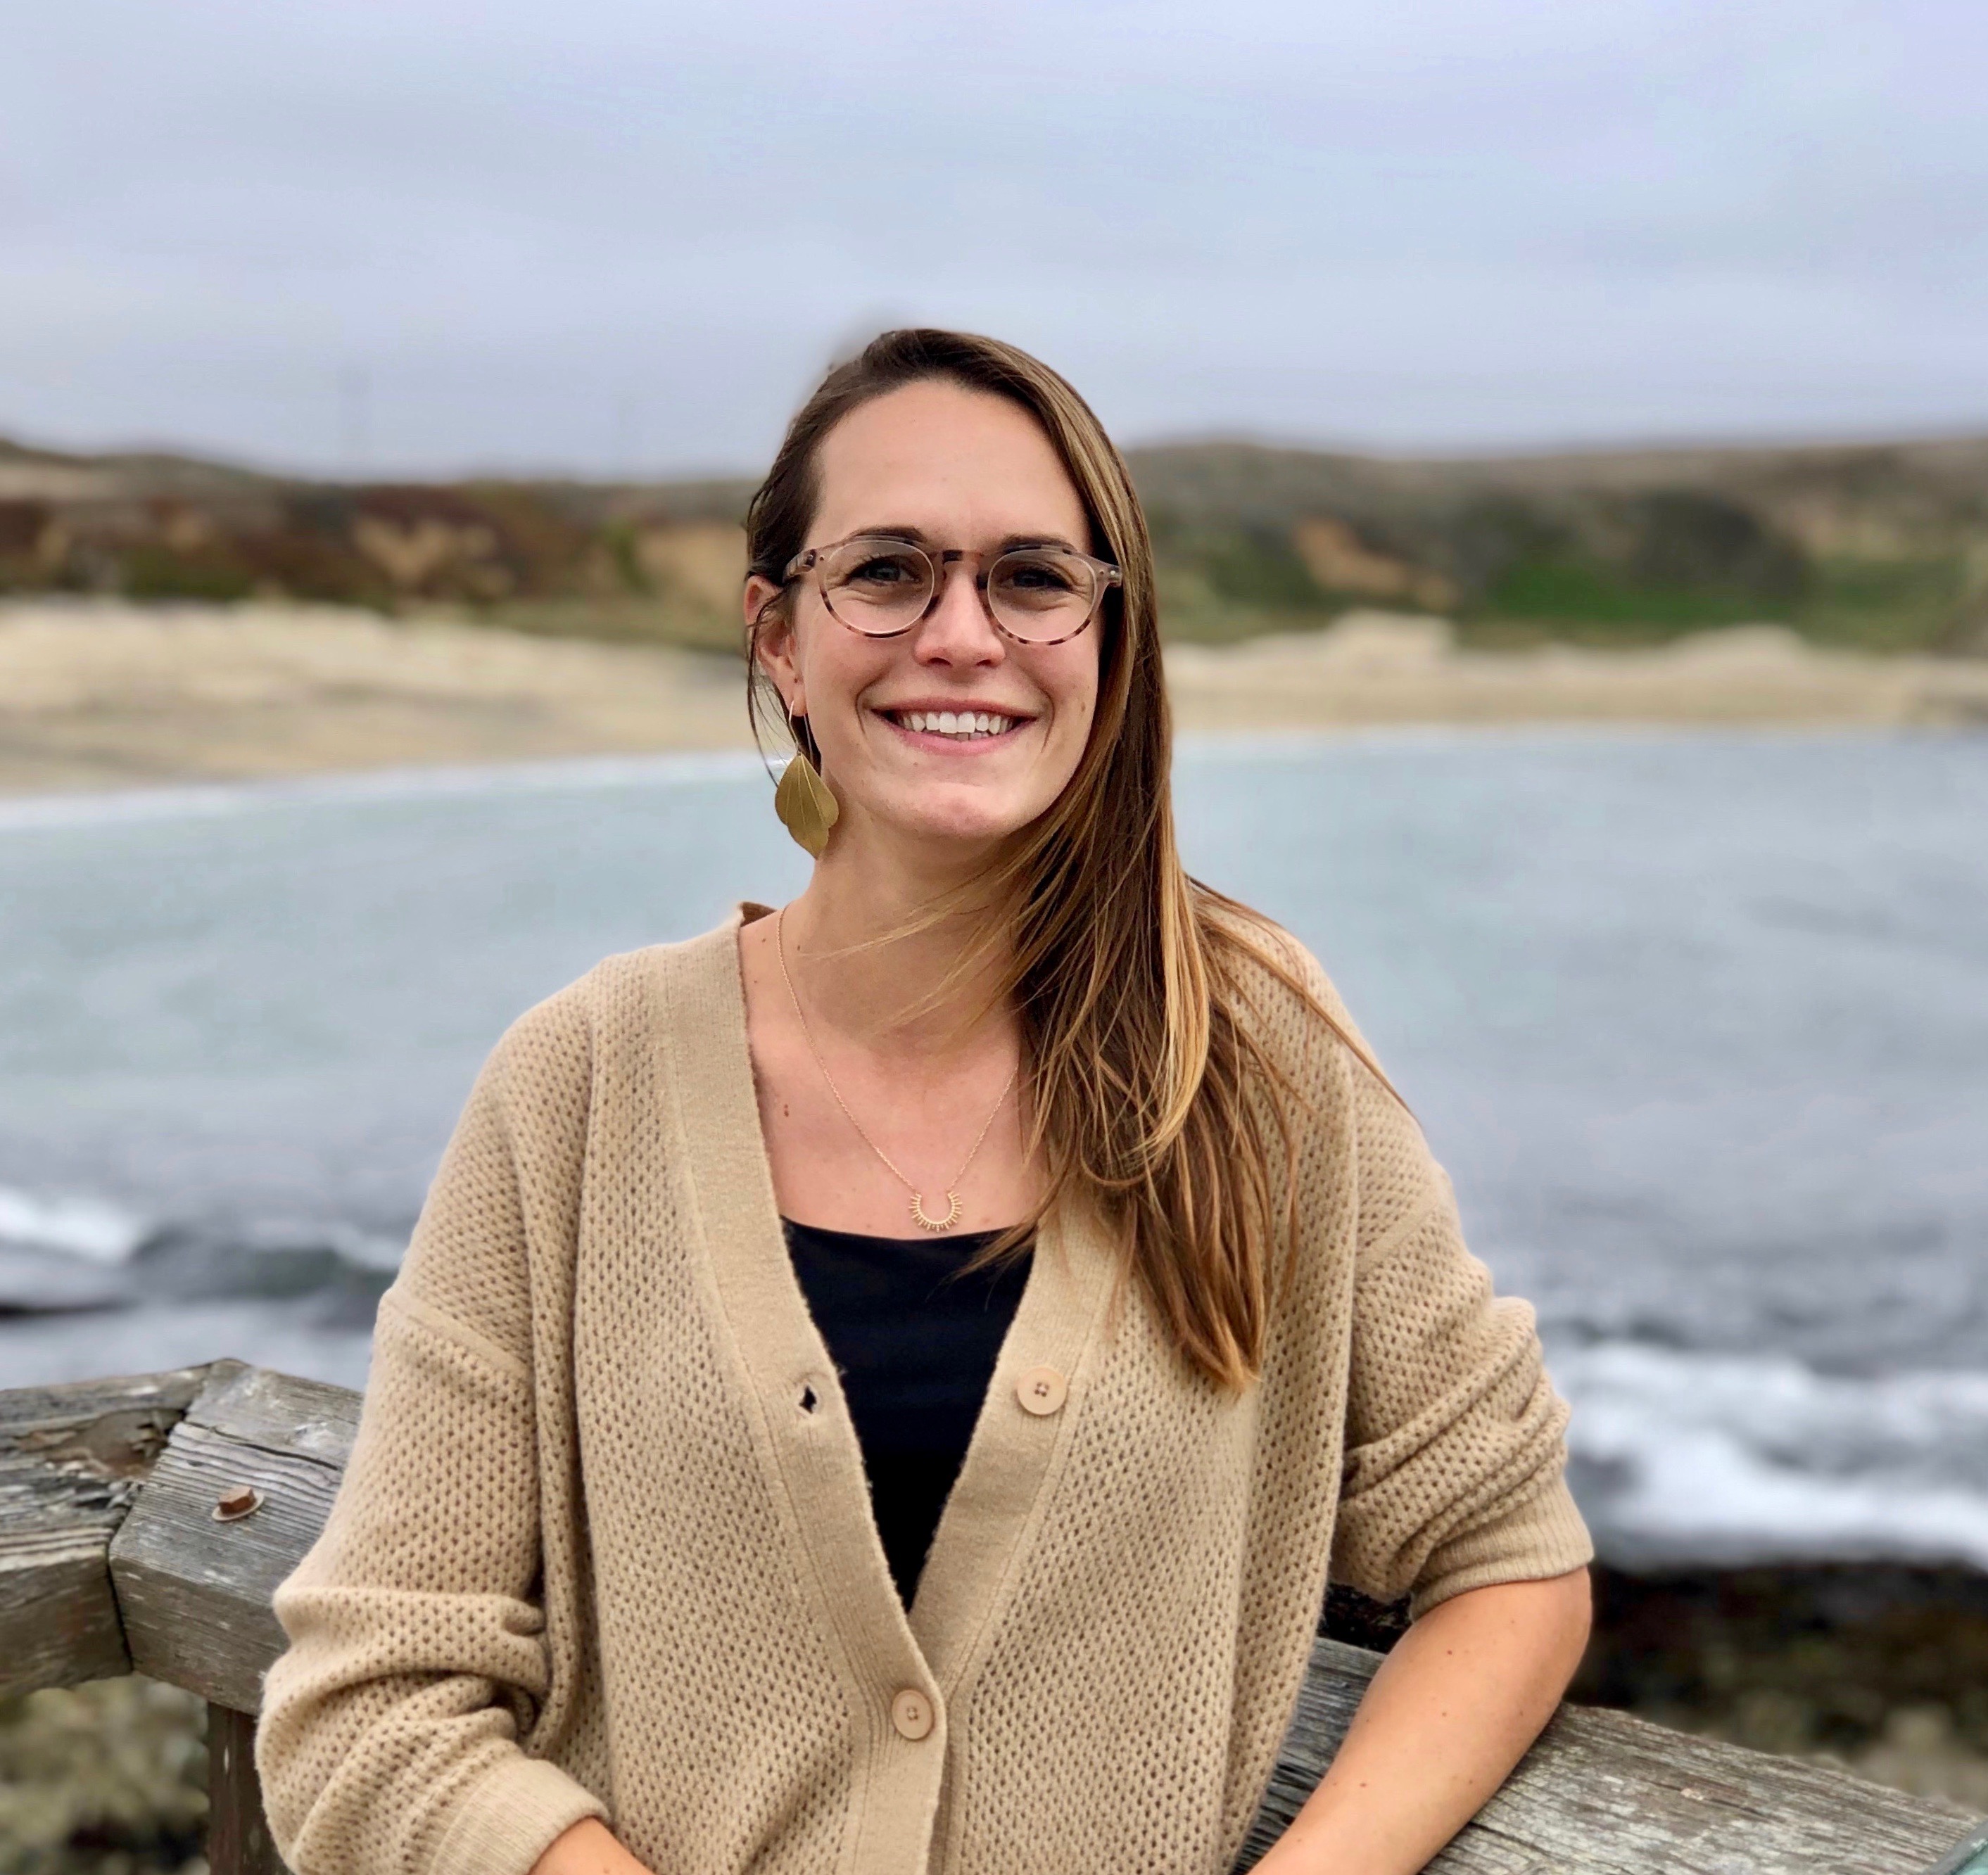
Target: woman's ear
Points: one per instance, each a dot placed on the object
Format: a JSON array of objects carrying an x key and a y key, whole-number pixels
[{"x": 771, "y": 634}]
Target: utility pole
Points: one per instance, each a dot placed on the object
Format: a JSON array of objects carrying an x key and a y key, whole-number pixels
[
  {"x": 627, "y": 434},
  {"x": 354, "y": 394}
]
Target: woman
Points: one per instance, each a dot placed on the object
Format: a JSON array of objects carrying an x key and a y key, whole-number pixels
[{"x": 664, "y": 1546}]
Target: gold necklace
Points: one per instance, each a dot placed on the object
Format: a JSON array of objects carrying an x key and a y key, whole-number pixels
[{"x": 919, "y": 1216}]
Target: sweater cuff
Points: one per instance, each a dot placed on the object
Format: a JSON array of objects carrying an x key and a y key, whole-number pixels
[
  {"x": 1542, "y": 1537},
  {"x": 506, "y": 1820}
]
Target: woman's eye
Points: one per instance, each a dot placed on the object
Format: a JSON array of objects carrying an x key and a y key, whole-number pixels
[
  {"x": 884, "y": 570},
  {"x": 1036, "y": 577}
]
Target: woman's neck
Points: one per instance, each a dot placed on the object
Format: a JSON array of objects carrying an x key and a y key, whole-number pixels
[{"x": 862, "y": 974}]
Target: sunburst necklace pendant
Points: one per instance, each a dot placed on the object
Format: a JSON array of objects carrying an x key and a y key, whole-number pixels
[{"x": 953, "y": 1209}]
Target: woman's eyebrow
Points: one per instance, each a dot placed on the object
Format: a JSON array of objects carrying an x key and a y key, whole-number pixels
[{"x": 918, "y": 537}]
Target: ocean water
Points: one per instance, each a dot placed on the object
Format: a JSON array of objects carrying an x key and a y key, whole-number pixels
[{"x": 1698, "y": 1023}]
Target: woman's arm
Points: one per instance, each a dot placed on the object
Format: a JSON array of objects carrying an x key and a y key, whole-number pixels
[
  {"x": 1451, "y": 1711},
  {"x": 1452, "y": 1495},
  {"x": 391, "y": 1737},
  {"x": 588, "y": 1848}
]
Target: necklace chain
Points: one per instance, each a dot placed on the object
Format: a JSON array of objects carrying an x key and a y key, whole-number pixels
[{"x": 919, "y": 1215}]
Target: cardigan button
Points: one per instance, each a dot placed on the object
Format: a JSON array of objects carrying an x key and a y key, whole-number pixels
[
  {"x": 1042, "y": 1391},
  {"x": 912, "y": 1713}
]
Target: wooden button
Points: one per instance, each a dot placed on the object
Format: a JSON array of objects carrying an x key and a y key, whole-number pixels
[
  {"x": 912, "y": 1713},
  {"x": 1042, "y": 1391}
]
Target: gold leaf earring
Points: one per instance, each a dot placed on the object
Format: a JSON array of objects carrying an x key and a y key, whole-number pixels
[{"x": 807, "y": 808}]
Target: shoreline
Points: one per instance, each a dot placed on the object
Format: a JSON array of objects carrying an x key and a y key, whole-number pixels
[
  {"x": 104, "y": 695},
  {"x": 169, "y": 797}
]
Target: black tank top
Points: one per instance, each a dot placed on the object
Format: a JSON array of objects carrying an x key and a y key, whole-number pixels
[{"x": 915, "y": 1344}]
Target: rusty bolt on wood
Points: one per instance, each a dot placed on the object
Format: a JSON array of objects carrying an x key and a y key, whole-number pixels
[{"x": 242, "y": 1500}]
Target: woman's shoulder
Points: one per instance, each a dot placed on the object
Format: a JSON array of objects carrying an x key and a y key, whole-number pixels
[
  {"x": 1283, "y": 992},
  {"x": 615, "y": 1003},
  {"x": 1286, "y": 997}
]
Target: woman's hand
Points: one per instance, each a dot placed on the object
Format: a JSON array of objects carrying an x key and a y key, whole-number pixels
[
  {"x": 588, "y": 1848},
  {"x": 1451, "y": 1711}
]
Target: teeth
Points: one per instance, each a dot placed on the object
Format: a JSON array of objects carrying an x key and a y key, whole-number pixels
[{"x": 961, "y": 724}]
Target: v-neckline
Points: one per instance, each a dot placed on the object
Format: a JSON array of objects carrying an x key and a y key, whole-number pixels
[{"x": 1013, "y": 1455}]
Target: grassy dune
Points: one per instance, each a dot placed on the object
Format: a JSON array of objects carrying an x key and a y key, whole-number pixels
[{"x": 1878, "y": 547}]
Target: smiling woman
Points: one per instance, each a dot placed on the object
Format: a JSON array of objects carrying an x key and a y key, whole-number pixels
[
  {"x": 954, "y": 569},
  {"x": 867, "y": 1378}
]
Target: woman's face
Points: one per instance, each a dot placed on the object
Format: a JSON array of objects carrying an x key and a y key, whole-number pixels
[{"x": 948, "y": 468}]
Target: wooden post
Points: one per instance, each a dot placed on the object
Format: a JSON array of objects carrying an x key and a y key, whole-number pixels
[
  {"x": 238, "y": 1834},
  {"x": 194, "y": 1577},
  {"x": 72, "y": 1460}
]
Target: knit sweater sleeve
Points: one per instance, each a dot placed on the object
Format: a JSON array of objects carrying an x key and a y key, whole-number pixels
[
  {"x": 1455, "y": 1447},
  {"x": 389, "y": 1741},
  {"x": 1453, "y": 1472}
]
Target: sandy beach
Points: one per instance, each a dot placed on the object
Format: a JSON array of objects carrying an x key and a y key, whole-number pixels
[
  {"x": 106, "y": 694},
  {"x": 1383, "y": 668}
]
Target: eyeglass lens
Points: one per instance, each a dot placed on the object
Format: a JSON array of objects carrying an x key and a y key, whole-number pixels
[{"x": 880, "y": 586}]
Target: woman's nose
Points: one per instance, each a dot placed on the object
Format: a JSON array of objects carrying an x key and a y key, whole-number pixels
[{"x": 957, "y": 630}]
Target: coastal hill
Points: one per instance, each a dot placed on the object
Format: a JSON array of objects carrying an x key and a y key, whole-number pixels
[{"x": 1880, "y": 547}]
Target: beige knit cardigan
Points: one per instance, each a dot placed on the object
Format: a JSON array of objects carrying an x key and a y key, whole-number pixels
[{"x": 604, "y": 1547}]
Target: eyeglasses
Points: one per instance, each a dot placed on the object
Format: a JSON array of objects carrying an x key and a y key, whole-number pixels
[{"x": 882, "y": 587}]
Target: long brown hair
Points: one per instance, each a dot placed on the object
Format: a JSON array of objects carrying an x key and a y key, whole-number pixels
[{"x": 1151, "y": 1094}]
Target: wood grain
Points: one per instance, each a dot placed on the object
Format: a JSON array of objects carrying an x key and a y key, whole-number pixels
[
  {"x": 71, "y": 1460},
  {"x": 238, "y": 1833},
  {"x": 194, "y": 1592}
]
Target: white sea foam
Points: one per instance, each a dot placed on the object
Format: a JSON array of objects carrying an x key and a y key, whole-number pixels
[
  {"x": 48, "y": 1240},
  {"x": 89, "y": 1228},
  {"x": 42, "y": 1350},
  {"x": 209, "y": 800},
  {"x": 1685, "y": 1458},
  {"x": 206, "y": 800}
]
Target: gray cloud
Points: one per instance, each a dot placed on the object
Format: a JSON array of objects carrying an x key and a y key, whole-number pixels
[{"x": 615, "y": 235}]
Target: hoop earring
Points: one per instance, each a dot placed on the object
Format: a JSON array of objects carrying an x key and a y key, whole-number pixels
[{"x": 806, "y": 807}]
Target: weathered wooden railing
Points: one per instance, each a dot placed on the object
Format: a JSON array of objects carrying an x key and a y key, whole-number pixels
[{"x": 145, "y": 1521}]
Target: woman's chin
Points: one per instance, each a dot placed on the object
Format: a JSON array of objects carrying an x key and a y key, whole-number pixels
[{"x": 965, "y": 827}]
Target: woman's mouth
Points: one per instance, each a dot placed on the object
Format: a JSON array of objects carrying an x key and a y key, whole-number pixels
[{"x": 955, "y": 725}]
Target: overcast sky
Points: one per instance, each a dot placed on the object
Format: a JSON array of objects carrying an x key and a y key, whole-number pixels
[{"x": 390, "y": 236}]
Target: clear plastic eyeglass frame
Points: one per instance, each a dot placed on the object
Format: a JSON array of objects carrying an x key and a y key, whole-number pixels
[{"x": 838, "y": 556}]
